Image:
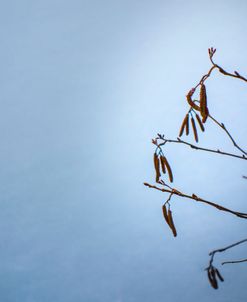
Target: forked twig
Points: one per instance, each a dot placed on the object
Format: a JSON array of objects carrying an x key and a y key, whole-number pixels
[{"x": 212, "y": 272}]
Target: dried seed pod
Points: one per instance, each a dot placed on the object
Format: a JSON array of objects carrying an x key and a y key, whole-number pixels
[
  {"x": 187, "y": 128},
  {"x": 162, "y": 163},
  {"x": 169, "y": 170},
  {"x": 165, "y": 214},
  {"x": 219, "y": 275},
  {"x": 157, "y": 167},
  {"x": 194, "y": 128},
  {"x": 171, "y": 224},
  {"x": 203, "y": 103},
  {"x": 183, "y": 125},
  {"x": 200, "y": 122}
]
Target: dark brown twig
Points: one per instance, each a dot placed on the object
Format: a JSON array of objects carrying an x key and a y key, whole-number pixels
[
  {"x": 196, "y": 198},
  {"x": 213, "y": 272},
  {"x": 222, "y": 126},
  {"x": 205, "y": 77},
  {"x": 233, "y": 262},
  {"x": 196, "y": 147},
  {"x": 224, "y": 249},
  {"x": 234, "y": 75}
]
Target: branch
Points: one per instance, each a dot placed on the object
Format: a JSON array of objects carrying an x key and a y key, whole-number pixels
[
  {"x": 222, "y": 126},
  {"x": 201, "y": 82},
  {"x": 195, "y": 147},
  {"x": 236, "y": 74},
  {"x": 236, "y": 261},
  {"x": 212, "y": 271},
  {"x": 196, "y": 198},
  {"x": 225, "y": 248}
]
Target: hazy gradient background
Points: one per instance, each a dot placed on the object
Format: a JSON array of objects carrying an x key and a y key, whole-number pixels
[{"x": 85, "y": 85}]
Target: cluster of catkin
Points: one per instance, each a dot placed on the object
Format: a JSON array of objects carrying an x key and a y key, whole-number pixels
[
  {"x": 169, "y": 220},
  {"x": 202, "y": 110},
  {"x": 213, "y": 274},
  {"x": 162, "y": 162}
]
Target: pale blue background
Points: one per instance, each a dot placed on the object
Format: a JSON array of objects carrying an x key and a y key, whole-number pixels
[{"x": 85, "y": 85}]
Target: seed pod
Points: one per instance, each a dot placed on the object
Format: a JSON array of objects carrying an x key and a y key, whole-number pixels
[
  {"x": 165, "y": 213},
  {"x": 187, "y": 125},
  {"x": 157, "y": 167},
  {"x": 219, "y": 275},
  {"x": 169, "y": 170},
  {"x": 183, "y": 125},
  {"x": 200, "y": 122},
  {"x": 171, "y": 224},
  {"x": 194, "y": 128},
  {"x": 203, "y": 103},
  {"x": 162, "y": 163}
]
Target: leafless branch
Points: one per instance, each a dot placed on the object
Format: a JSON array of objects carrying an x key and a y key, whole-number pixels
[
  {"x": 180, "y": 141},
  {"x": 222, "y": 126},
  {"x": 235, "y": 261},
  {"x": 196, "y": 198},
  {"x": 212, "y": 271}
]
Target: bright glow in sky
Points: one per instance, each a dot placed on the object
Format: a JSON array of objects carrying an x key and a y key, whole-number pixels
[{"x": 85, "y": 85}]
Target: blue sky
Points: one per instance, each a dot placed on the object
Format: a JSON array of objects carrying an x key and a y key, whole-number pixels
[{"x": 85, "y": 86}]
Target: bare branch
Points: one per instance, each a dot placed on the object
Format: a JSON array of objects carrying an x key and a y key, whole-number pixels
[
  {"x": 235, "y": 261},
  {"x": 178, "y": 140},
  {"x": 222, "y": 126},
  {"x": 196, "y": 198},
  {"x": 212, "y": 272}
]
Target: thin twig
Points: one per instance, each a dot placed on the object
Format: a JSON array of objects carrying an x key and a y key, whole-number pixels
[
  {"x": 234, "y": 75},
  {"x": 222, "y": 250},
  {"x": 197, "y": 147},
  {"x": 235, "y": 261},
  {"x": 196, "y": 198},
  {"x": 227, "y": 247},
  {"x": 222, "y": 126}
]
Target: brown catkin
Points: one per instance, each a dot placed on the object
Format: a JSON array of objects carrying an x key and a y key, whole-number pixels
[
  {"x": 171, "y": 224},
  {"x": 183, "y": 125},
  {"x": 219, "y": 275},
  {"x": 165, "y": 213},
  {"x": 200, "y": 122},
  {"x": 215, "y": 283},
  {"x": 157, "y": 167},
  {"x": 191, "y": 103},
  {"x": 203, "y": 100},
  {"x": 169, "y": 170},
  {"x": 203, "y": 103},
  {"x": 194, "y": 128},
  {"x": 187, "y": 128},
  {"x": 162, "y": 163},
  {"x": 210, "y": 279},
  {"x": 205, "y": 116}
]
